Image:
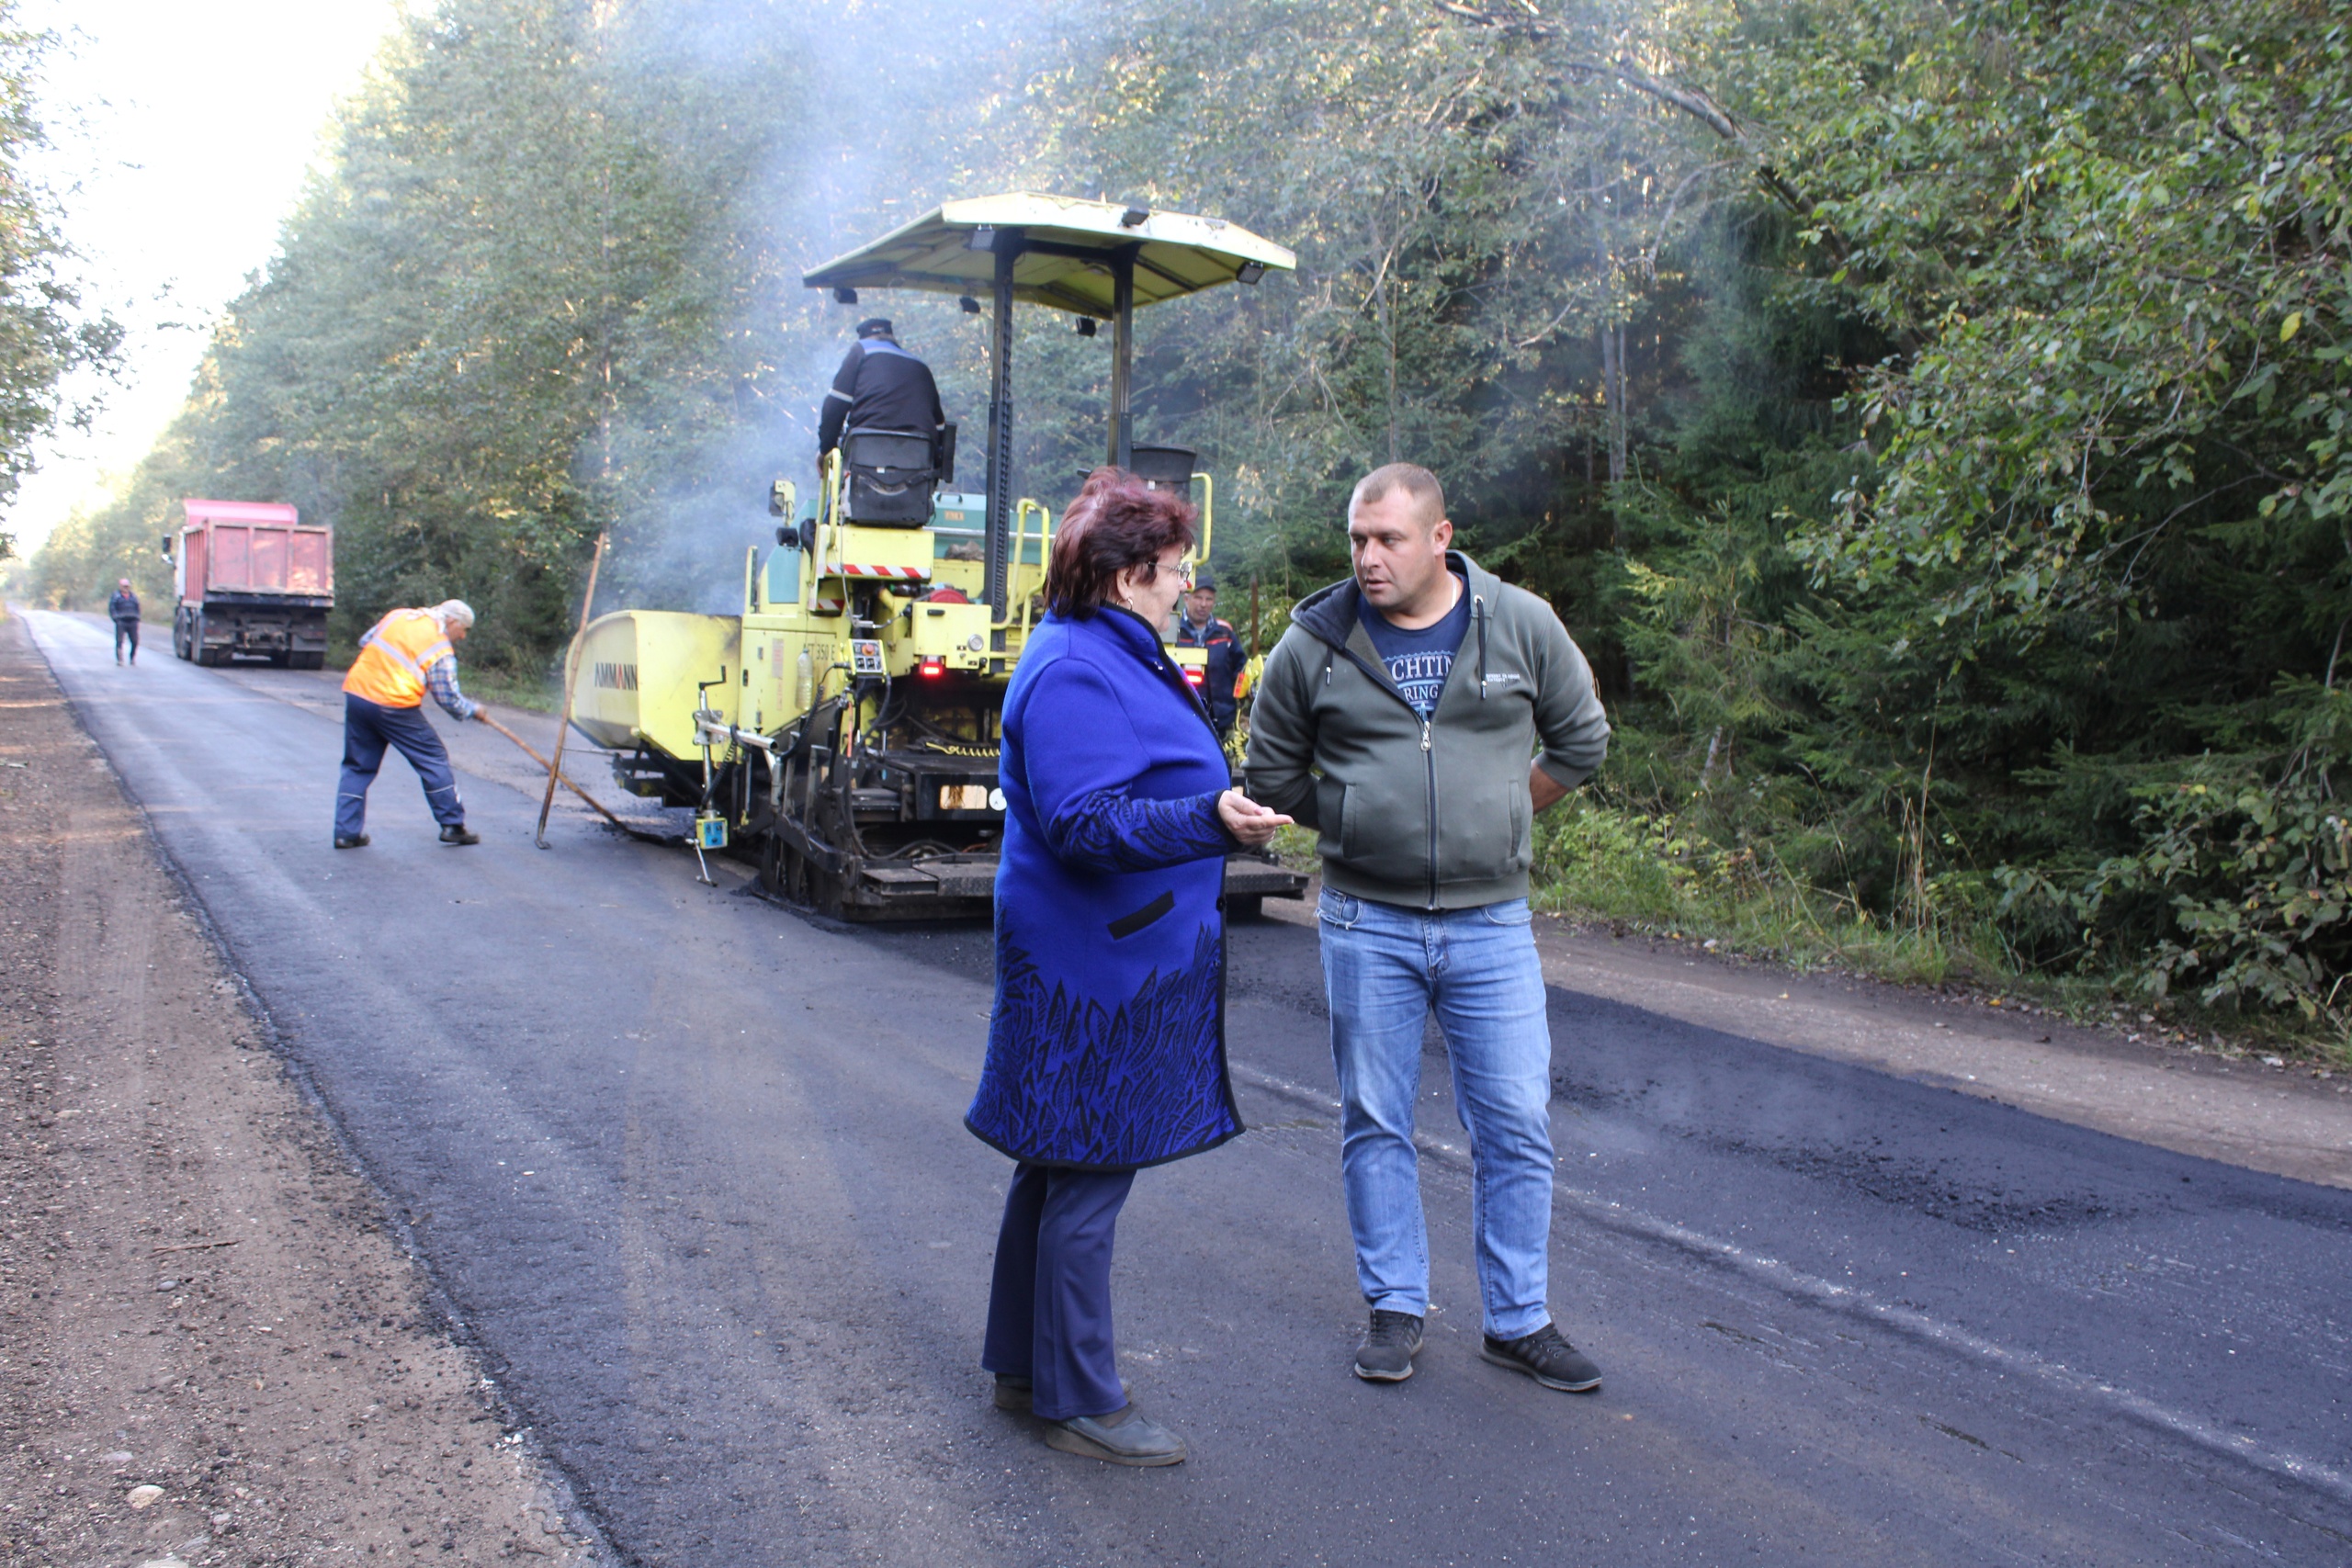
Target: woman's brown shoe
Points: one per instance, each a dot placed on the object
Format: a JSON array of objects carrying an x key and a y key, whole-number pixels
[{"x": 1124, "y": 1437}]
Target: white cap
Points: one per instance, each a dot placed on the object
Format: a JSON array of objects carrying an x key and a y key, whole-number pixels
[{"x": 454, "y": 612}]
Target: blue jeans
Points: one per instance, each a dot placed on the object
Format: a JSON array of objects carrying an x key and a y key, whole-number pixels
[
  {"x": 368, "y": 728},
  {"x": 1385, "y": 967},
  {"x": 1049, "y": 1304}
]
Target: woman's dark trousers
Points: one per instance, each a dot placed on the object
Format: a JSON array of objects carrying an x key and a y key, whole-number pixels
[{"x": 1050, "y": 1311}]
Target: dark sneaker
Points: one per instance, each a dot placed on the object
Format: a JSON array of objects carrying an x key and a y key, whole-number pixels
[
  {"x": 351, "y": 840},
  {"x": 1545, "y": 1357},
  {"x": 457, "y": 835},
  {"x": 1012, "y": 1393},
  {"x": 1389, "y": 1346},
  {"x": 1124, "y": 1437}
]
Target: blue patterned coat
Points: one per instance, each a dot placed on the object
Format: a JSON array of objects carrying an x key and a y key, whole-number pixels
[{"x": 1106, "y": 1050}]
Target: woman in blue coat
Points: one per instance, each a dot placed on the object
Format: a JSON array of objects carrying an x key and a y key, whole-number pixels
[{"x": 1107, "y": 1049}]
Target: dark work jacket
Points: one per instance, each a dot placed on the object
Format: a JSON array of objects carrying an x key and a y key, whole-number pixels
[
  {"x": 880, "y": 386},
  {"x": 1225, "y": 665},
  {"x": 124, "y": 606},
  {"x": 1106, "y": 1047}
]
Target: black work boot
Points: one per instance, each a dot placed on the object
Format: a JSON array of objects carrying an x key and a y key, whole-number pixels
[
  {"x": 351, "y": 840},
  {"x": 1545, "y": 1357},
  {"x": 1388, "y": 1348},
  {"x": 1124, "y": 1437},
  {"x": 457, "y": 834},
  {"x": 1012, "y": 1393}
]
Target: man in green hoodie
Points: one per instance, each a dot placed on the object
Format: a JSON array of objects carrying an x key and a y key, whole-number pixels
[{"x": 1418, "y": 716}]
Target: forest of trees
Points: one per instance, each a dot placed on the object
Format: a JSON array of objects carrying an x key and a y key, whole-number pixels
[
  {"x": 46, "y": 335},
  {"x": 1930, "y": 416}
]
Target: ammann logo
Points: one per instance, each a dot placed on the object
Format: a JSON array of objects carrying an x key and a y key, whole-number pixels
[{"x": 616, "y": 677}]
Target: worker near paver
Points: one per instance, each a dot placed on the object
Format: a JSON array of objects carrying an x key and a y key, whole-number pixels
[
  {"x": 1198, "y": 626},
  {"x": 123, "y": 610},
  {"x": 403, "y": 656},
  {"x": 1418, "y": 689},
  {"x": 1106, "y": 1046},
  {"x": 880, "y": 386}
]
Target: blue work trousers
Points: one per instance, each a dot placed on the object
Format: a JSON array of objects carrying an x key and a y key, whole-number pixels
[
  {"x": 1049, "y": 1309},
  {"x": 368, "y": 728},
  {"x": 1384, "y": 969},
  {"x": 126, "y": 630}
]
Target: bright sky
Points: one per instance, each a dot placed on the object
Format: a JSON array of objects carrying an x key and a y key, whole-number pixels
[{"x": 183, "y": 132}]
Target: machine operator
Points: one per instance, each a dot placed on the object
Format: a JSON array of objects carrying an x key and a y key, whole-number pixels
[
  {"x": 403, "y": 656},
  {"x": 881, "y": 386},
  {"x": 1198, "y": 626}
]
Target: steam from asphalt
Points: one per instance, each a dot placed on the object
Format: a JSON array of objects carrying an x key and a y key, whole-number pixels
[{"x": 871, "y": 113}]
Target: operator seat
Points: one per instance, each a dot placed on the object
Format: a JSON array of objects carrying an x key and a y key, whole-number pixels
[
  {"x": 1164, "y": 468},
  {"x": 892, "y": 474}
]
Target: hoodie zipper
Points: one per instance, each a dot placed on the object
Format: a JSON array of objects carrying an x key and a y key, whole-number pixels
[
  {"x": 1428, "y": 756},
  {"x": 1428, "y": 760}
]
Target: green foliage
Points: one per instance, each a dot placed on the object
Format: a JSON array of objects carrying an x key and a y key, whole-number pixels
[
  {"x": 2240, "y": 887},
  {"x": 2080, "y": 509},
  {"x": 45, "y": 336}
]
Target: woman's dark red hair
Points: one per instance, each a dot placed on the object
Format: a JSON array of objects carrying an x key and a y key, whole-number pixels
[{"x": 1117, "y": 522}]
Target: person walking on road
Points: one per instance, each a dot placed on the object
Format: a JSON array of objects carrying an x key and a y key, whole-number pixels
[
  {"x": 1106, "y": 1047},
  {"x": 1198, "y": 627},
  {"x": 403, "y": 656},
  {"x": 1397, "y": 716},
  {"x": 123, "y": 610}
]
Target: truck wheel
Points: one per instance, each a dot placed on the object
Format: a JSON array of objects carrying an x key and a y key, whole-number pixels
[{"x": 309, "y": 661}]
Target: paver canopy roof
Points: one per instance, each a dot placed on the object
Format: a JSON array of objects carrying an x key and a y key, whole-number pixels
[{"x": 1176, "y": 254}]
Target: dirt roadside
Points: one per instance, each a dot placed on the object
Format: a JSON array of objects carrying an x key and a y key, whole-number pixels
[
  {"x": 211, "y": 1350},
  {"x": 2288, "y": 1121}
]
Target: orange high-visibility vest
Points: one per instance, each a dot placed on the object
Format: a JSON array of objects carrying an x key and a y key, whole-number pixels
[{"x": 393, "y": 657}]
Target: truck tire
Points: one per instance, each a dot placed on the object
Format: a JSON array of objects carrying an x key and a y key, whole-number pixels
[
  {"x": 208, "y": 657},
  {"x": 309, "y": 661}
]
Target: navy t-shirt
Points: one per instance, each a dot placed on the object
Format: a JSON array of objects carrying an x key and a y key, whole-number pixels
[{"x": 1418, "y": 662}]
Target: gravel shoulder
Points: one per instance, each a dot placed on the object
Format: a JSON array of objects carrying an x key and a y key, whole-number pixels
[
  {"x": 2287, "y": 1121},
  {"x": 212, "y": 1350}
]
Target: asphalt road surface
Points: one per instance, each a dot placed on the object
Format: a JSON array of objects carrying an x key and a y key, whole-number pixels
[{"x": 692, "y": 1170}]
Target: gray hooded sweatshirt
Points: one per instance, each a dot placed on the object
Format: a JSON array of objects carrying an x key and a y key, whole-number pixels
[{"x": 1436, "y": 814}]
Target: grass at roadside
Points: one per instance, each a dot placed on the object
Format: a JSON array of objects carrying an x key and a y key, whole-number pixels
[
  {"x": 500, "y": 689},
  {"x": 1601, "y": 865},
  {"x": 489, "y": 684}
]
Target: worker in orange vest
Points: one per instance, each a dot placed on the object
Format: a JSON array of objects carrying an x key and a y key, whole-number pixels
[{"x": 403, "y": 656}]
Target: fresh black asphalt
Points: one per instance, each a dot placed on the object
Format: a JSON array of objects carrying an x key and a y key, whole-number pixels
[{"x": 690, "y": 1171}]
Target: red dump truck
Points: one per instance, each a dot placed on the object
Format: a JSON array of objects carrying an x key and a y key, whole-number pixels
[{"x": 253, "y": 579}]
